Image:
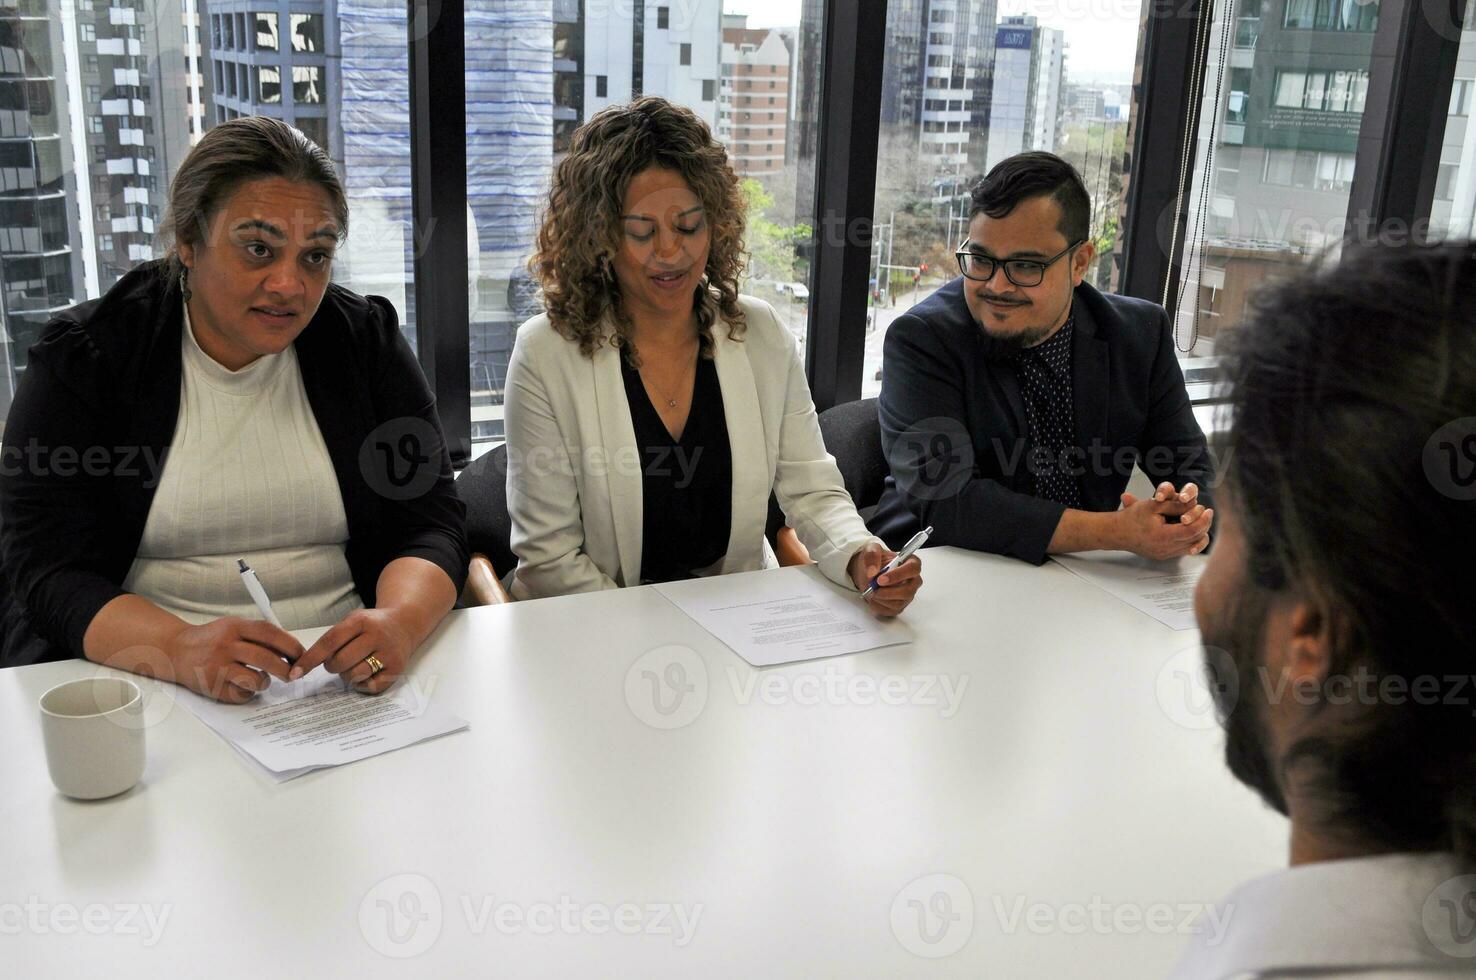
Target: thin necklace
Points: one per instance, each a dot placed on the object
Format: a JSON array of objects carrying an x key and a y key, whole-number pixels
[{"x": 670, "y": 401}]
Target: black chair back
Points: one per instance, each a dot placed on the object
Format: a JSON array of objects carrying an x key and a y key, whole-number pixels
[
  {"x": 852, "y": 434},
  {"x": 483, "y": 487}
]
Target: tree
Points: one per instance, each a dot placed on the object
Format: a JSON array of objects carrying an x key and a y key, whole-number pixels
[{"x": 771, "y": 245}]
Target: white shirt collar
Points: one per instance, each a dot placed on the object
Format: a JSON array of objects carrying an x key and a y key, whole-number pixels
[{"x": 1414, "y": 914}]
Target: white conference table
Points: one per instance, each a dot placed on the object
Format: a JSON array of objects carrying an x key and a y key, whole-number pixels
[{"x": 1061, "y": 822}]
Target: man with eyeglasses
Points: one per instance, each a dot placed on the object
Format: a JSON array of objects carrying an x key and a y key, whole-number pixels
[{"x": 1017, "y": 399}]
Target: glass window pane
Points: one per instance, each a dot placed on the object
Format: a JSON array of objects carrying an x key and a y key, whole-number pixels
[
  {"x": 736, "y": 64},
  {"x": 266, "y": 32},
  {"x": 1282, "y": 162},
  {"x": 1453, "y": 213},
  {"x": 964, "y": 85}
]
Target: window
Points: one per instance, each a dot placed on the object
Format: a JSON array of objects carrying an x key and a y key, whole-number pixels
[
  {"x": 1331, "y": 15},
  {"x": 1453, "y": 213},
  {"x": 1445, "y": 182},
  {"x": 508, "y": 175},
  {"x": 266, "y": 32},
  {"x": 307, "y": 32},
  {"x": 1282, "y": 150},
  {"x": 930, "y": 149},
  {"x": 1460, "y": 97},
  {"x": 307, "y": 88},
  {"x": 268, "y": 85},
  {"x": 1325, "y": 91},
  {"x": 314, "y": 128}
]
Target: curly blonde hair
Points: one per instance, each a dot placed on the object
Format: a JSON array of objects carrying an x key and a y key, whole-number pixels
[{"x": 582, "y": 228}]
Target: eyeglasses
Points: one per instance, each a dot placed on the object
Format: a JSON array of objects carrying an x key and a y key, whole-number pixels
[{"x": 1022, "y": 272}]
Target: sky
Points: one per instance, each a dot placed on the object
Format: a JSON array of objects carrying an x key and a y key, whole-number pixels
[{"x": 1101, "y": 35}]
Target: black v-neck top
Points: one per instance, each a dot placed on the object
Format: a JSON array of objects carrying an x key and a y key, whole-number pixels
[{"x": 687, "y": 483}]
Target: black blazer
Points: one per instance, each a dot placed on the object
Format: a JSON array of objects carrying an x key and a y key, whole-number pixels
[
  {"x": 92, "y": 419},
  {"x": 955, "y": 436}
]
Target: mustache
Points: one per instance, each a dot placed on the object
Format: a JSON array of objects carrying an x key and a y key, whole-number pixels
[{"x": 996, "y": 298}]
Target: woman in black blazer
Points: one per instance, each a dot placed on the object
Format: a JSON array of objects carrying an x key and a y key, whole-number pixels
[{"x": 230, "y": 401}]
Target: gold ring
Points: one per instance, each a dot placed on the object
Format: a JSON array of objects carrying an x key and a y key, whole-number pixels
[{"x": 374, "y": 665}]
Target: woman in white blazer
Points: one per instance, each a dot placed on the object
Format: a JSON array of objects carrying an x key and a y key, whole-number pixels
[{"x": 651, "y": 410}]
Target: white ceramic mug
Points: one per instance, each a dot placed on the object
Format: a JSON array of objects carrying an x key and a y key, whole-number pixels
[{"x": 94, "y": 734}]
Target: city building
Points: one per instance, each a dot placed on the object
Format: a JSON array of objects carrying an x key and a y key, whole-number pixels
[
  {"x": 101, "y": 103},
  {"x": 1027, "y": 99},
  {"x": 1283, "y": 152},
  {"x": 754, "y": 98},
  {"x": 935, "y": 83}
]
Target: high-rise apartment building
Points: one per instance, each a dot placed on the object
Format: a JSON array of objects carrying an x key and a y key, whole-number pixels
[
  {"x": 754, "y": 98},
  {"x": 102, "y": 100}
]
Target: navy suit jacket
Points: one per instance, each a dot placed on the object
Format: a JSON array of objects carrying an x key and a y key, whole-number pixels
[{"x": 957, "y": 443}]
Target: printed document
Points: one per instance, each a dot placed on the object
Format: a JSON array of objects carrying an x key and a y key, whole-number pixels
[{"x": 780, "y": 616}]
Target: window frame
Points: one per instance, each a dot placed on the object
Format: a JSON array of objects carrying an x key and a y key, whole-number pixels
[{"x": 1397, "y": 165}]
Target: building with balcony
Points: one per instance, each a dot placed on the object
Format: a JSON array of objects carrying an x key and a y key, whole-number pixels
[{"x": 754, "y": 98}]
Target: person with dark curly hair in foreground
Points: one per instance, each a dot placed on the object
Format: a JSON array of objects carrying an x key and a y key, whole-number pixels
[{"x": 1336, "y": 614}]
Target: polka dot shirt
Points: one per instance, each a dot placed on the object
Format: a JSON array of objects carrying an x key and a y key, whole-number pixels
[{"x": 1045, "y": 383}]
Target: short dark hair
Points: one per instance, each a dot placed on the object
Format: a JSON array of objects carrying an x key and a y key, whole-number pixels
[
  {"x": 1035, "y": 174},
  {"x": 1342, "y": 384}
]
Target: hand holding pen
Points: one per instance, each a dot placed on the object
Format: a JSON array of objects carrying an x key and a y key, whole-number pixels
[{"x": 888, "y": 582}]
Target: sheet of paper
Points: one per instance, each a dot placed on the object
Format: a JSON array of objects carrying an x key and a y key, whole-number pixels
[
  {"x": 1162, "y": 589},
  {"x": 782, "y": 615},
  {"x": 291, "y": 729}
]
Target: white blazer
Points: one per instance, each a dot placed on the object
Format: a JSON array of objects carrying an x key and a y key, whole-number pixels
[{"x": 574, "y": 480}]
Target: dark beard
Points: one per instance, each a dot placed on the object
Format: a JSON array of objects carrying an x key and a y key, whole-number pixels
[
  {"x": 1233, "y": 644},
  {"x": 1015, "y": 343}
]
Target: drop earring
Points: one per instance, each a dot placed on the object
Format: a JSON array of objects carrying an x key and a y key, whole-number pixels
[{"x": 184, "y": 283}]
